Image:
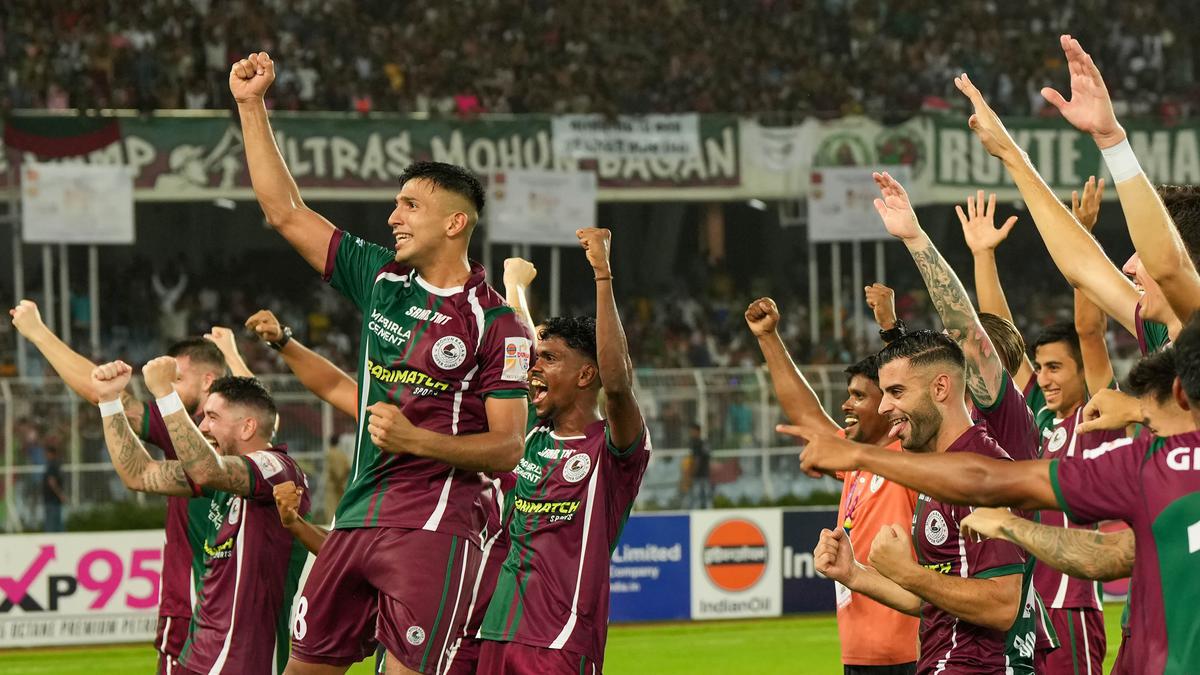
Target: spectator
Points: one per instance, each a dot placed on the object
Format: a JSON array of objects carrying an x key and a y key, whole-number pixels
[
  {"x": 53, "y": 496},
  {"x": 700, "y": 496}
]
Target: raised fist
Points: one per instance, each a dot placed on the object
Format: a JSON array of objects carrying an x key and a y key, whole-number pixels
[
  {"x": 110, "y": 379},
  {"x": 762, "y": 316},
  {"x": 160, "y": 375},
  {"x": 26, "y": 318},
  {"x": 265, "y": 325},
  {"x": 250, "y": 77},
  {"x": 519, "y": 272},
  {"x": 595, "y": 242},
  {"x": 882, "y": 301}
]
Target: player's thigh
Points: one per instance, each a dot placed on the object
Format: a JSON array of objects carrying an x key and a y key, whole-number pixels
[
  {"x": 512, "y": 658},
  {"x": 334, "y": 618},
  {"x": 295, "y": 667},
  {"x": 1082, "y": 641}
]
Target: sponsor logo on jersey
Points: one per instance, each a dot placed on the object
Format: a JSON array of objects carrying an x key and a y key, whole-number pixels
[
  {"x": 387, "y": 330},
  {"x": 560, "y": 510},
  {"x": 1057, "y": 440},
  {"x": 735, "y": 554},
  {"x": 876, "y": 483},
  {"x": 576, "y": 468},
  {"x": 415, "y": 635},
  {"x": 267, "y": 462},
  {"x": 529, "y": 471},
  {"x": 419, "y": 381},
  {"x": 555, "y": 453},
  {"x": 221, "y": 551},
  {"x": 1184, "y": 459},
  {"x": 449, "y": 352},
  {"x": 939, "y": 567},
  {"x": 936, "y": 531},
  {"x": 423, "y": 314},
  {"x": 516, "y": 359}
]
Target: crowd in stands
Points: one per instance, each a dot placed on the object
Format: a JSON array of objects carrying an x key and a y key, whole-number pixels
[{"x": 605, "y": 56}]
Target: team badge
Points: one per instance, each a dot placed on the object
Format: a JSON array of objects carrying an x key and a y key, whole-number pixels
[
  {"x": 577, "y": 467},
  {"x": 1058, "y": 440},
  {"x": 449, "y": 352},
  {"x": 235, "y": 511},
  {"x": 936, "y": 531},
  {"x": 876, "y": 483},
  {"x": 415, "y": 635}
]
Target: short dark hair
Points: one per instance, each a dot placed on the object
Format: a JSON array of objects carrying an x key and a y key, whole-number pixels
[
  {"x": 1008, "y": 341},
  {"x": 199, "y": 350},
  {"x": 924, "y": 348},
  {"x": 1063, "y": 331},
  {"x": 249, "y": 392},
  {"x": 1154, "y": 376},
  {"x": 449, "y": 177},
  {"x": 867, "y": 367},
  {"x": 579, "y": 332},
  {"x": 1187, "y": 358},
  {"x": 1183, "y": 204}
]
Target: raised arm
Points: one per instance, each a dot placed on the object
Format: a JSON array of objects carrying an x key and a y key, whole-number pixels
[
  {"x": 306, "y": 230},
  {"x": 1154, "y": 235},
  {"x": 982, "y": 238},
  {"x": 1075, "y": 252},
  {"x": 200, "y": 460},
  {"x": 1090, "y": 322},
  {"x": 985, "y": 371},
  {"x": 318, "y": 375},
  {"x": 287, "y": 501},
  {"x": 226, "y": 341},
  {"x": 796, "y": 397},
  {"x": 882, "y": 301},
  {"x": 137, "y": 469},
  {"x": 519, "y": 274},
  {"x": 1083, "y": 554}
]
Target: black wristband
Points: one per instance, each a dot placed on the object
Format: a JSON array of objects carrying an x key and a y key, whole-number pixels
[
  {"x": 284, "y": 337},
  {"x": 894, "y": 333}
]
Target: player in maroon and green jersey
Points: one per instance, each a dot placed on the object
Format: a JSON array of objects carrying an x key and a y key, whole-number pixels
[
  {"x": 575, "y": 487},
  {"x": 442, "y": 404}
]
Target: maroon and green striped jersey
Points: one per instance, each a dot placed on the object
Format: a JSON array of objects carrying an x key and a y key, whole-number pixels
[
  {"x": 252, "y": 569},
  {"x": 1154, "y": 485},
  {"x": 437, "y": 354},
  {"x": 565, "y": 514},
  {"x": 1151, "y": 336}
]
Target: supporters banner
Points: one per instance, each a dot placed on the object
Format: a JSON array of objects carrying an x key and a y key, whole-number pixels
[
  {"x": 736, "y": 570},
  {"x": 650, "y": 571},
  {"x": 76, "y": 204},
  {"x": 627, "y": 136},
  {"x": 803, "y": 589},
  {"x": 540, "y": 207},
  {"x": 841, "y": 203},
  {"x": 87, "y": 588}
]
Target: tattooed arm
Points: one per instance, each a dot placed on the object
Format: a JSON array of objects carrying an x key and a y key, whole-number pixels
[
  {"x": 1083, "y": 554},
  {"x": 985, "y": 371},
  {"x": 137, "y": 469}
]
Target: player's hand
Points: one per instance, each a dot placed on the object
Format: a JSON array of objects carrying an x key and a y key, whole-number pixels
[
  {"x": 265, "y": 325},
  {"x": 1090, "y": 109},
  {"x": 891, "y": 552},
  {"x": 287, "y": 501},
  {"x": 987, "y": 522},
  {"x": 978, "y": 224},
  {"x": 519, "y": 273},
  {"x": 110, "y": 379},
  {"x": 596, "y": 242},
  {"x": 160, "y": 375},
  {"x": 1087, "y": 210},
  {"x": 390, "y": 429},
  {"x": 224, "y": 339},
  {"x": 250, "y": 77},
  {"x": 895, "y": 209},
  {"x": 1110, "y": 409},
  {"x": 825, "y": 453},
  {"x": 986, "y": 124},
  {"x": 762, "y": 316},
  {"x": 882, "y": 301},
  {"x": 833, "y": 557},
  {"x": 27, "y": 319}
]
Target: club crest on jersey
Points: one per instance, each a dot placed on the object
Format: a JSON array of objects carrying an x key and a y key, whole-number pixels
[
  {"x": 415, "y": 635},
  {"x": 576, "y": 468},
  {"x": 235, "y": 511},
  {"x": 876, "y": 483},
  {"x": 1057, "y": 440},
  {"x": 449, "y": 352},
  {"x": 936, "y": 531}
]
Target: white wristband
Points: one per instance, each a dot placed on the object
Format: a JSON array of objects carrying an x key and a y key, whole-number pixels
[
  {"x": 1121, "y": 161},
  {"x": 110, "y": 408},
  {"x": 171, "y": 403}
]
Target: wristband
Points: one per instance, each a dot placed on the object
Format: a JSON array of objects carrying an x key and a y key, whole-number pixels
[
  {"x": 1121, "y": 161},
  {"x": 285, "y": 336},
  {"x": 171, "y": 403},
  {"x": 110, "y": 408},
  {"x": 607, "y": 278}
]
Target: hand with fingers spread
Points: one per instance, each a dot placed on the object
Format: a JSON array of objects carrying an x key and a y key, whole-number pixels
[
  {"x": 110, "y": 379},
  {"x": 1087, "y": 210},
  {"x": 895, "y": 208},
  {"x": 762, "y": 316},
  {"x": 987, "y": 125},
  {"x": 882, "y": 301},
  {"x": 1110, "y": 409},
  {"x": 891, "y": 551},
  {"x": 250, "y": 77},
  {"x": 265, "y": 325},
  {"x": 1090, "y": 109},
  {"x": 833, "y": 557},
  {"x": 978, "y": 224}
]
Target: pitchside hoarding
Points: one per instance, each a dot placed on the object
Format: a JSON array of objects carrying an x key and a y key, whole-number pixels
[
  {"x": 650, "y": 572},
  {"x": 803, "y": 589},
  {"x": 736, "y": 570}
]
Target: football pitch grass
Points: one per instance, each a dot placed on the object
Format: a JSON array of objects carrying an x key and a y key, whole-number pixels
[{"x": 792, "y": 645}]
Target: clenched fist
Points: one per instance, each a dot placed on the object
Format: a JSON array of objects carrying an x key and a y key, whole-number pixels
[
  {"x": 390, "y": 429},
  {"x": 250, "y": 77},
  {"x": 519, "y": 272},
  {"x": 892, "y": 551},
  {"x": 27, "y": 319},
  {"x": 595, "y": 242},
  {"x": 265, "y": 325},
  {"x": 160, "y": 375},
  {"x": 762, "y": 316},
  {"x": 882, "y": 301},
  {"x": 833, "y": 557},
  {"x": 287, "y": 501},
  {"x": 110, "y": 379}
]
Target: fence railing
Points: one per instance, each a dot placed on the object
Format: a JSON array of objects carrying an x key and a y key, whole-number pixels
[{"x": 735, "y": 409}]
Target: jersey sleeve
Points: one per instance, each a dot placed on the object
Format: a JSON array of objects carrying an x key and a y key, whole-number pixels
[
  {"x": 990, "y": 558},
  {"x": 1010, "y": 422},
  {"x": 1101, "y": 484},
  {"x": 504, "y": 354},
  {"x": 352, "y": 264},
  {"x": 268, "y": 469},
  {"x": 154, "y": 430}
]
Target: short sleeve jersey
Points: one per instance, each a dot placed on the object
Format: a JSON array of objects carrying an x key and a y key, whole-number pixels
[
  {"x": 253, "y": 566},
  {"x": 1010, "y": 422},
  {"x": 572, "y": 498},
  {"x": 436, "y": 353},
  {"x": 1154, "y": 485},
  {"x": 949, "y": 644}
]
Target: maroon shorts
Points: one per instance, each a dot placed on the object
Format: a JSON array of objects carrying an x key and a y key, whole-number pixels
[
  {"x": 1081, "y": 634},
  {"x": 409, "y": 590},
  {"x": 1123, "y": 665},
  {"x": 169, "y": 639},
  {"x": 512, "y": 658}
]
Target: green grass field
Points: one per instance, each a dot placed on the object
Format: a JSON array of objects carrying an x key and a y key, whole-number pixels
[{"x": 794, "y": 645}]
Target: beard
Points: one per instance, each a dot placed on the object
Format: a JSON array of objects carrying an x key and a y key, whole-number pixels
[{"x": 924, "y": 423}]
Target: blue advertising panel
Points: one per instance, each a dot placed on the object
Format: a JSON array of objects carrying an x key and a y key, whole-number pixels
[
  {"x": 803, "y": 589},
  {"x": 650, "y": 576}
]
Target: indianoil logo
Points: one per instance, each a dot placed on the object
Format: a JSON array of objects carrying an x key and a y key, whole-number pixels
[{"x": 735, "y": 554}]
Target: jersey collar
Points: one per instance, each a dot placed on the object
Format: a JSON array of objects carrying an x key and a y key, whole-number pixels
[{"x": 477, "y": 277}]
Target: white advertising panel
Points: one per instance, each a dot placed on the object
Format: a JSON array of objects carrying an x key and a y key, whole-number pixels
[
  {"x": 736, "y": 563},
  {"x": 76, "y": 204}
]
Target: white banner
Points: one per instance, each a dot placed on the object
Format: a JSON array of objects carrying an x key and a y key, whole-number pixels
[
  {"x": 776, "y": 149},
  {"x": 841, "y": 203},
  {"x": 540, "y": 207},
  {"x": 736, "y": 563},
  {"x": 80, "y": 588},
  {"x": 76, "y": 204},
  {"x": 628, "y": 136}
]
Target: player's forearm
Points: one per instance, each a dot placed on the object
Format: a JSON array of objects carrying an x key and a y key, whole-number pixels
[
  {"x": 1159, "y": 245},
  {"x": 274, "y": 187},
  {"x": 200, "y": 460},
  {"x": 612, "y": 351},
  {"x": 72, "y": 367},
  {"x": 1084, "y": 554},
  {"x": 320, "y": 376},
  {"x": 1091, "y": 326},
  {"x": 490, "y": 451},
  {"x": 516, "y": 295},
  {"x": 987, "y": 286},
  {"x": 964, "y": 477},
  {"x": 879, "y": 588},
  {"x": 137, "y": 470},
  {"x": 990, "y": 603},
  {"x": 797, "y": 399},
  {"x": 309, "y": 535},
  {"x": 237, "y": 365}
]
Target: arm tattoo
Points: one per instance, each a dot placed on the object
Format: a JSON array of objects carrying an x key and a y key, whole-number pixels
[
  {"x": 167, "y": 478},
  {"x": 1084, "y": 554},
  {"x": 134, "y": 464},
  {"x": 202, "y": 462}
]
